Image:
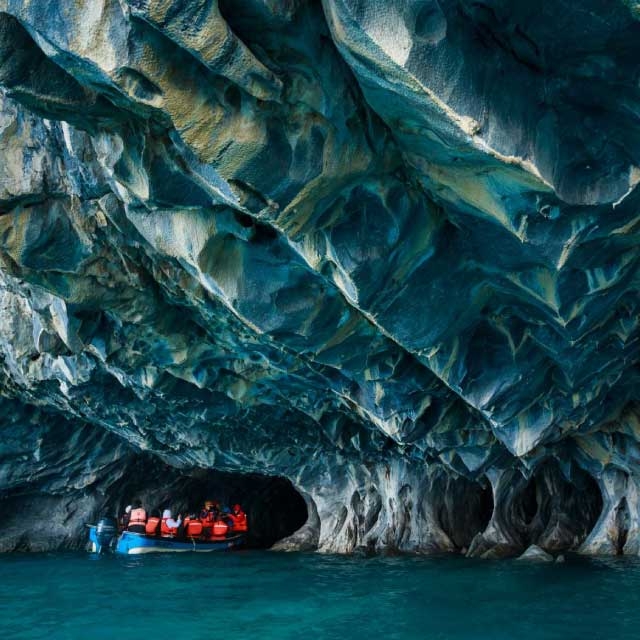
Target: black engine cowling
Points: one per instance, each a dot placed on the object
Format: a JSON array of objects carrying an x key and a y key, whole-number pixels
[{"x": 106, "y": 532}]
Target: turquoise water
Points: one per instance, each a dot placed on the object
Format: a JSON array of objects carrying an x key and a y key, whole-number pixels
[{"x": 266, "y": 595}]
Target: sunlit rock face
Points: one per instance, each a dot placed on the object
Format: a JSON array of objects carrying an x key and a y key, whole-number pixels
[{"x": 388, "y": 251}]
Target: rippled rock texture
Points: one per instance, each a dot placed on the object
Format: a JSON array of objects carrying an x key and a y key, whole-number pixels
[{"x": 388, "y": 251}]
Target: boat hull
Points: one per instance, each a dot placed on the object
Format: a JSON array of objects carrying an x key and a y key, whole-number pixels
[{"x": 129, "y": 543}]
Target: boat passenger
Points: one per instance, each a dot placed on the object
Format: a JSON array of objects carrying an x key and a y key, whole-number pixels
[
  {"x": 192, "y": 526},
  {"x": 124, "y": 521},
  {"x": 137, "y": 518},
  {"x": 204, "y": 512},
  {"x": 153, "y": 524},
  {"x": 239, "y": 518},
  {"x": 226, "y": 516},
  {"x": 169, "y": 527},
  {"x": 207, "y": 517},
  {"x": 212, "y": 509}
]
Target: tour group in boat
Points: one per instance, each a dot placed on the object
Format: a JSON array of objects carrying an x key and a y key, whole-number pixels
[{"x": 214, "y": 528}]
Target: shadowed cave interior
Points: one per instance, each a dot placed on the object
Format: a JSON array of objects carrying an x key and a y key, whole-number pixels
[
  {"x": 274, "y": 508},
  {"x": 463, "y": 509},
  {"x": 547, "y": 509}
]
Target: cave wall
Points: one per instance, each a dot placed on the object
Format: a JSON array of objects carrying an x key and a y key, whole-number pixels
[{"x": 388, "y": 251}]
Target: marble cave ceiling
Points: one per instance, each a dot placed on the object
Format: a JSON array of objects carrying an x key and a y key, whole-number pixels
[{"x": 256, "y": 235}]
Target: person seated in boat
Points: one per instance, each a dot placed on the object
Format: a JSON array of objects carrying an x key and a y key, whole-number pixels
[
  {"x": 169, "y": 528},
  {"x": 192, "y": 526},
  {"x": 206, "y": 510},
  {"x": 153, "y": 524},
  {"x": 124, "y": 520},
  {"x": 207, "y": 517},
  {"x": 137, "y": 518},
  {"x": 225, "y": 514},
  {"x": 239, "y": 518}
]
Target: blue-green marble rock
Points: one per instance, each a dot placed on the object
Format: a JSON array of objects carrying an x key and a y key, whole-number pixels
[{"x": 386, "y": 250}]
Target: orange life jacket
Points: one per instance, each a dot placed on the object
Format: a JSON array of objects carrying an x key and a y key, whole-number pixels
[
  {"x": 240, "y": 521},
  {"x": 193, "y": 527},
  {"x": 137, "y": 516},
  {"x": 152, "y": 525},
  {"x": 220, "y": 528},
  {"x": 165, "y": 530}
]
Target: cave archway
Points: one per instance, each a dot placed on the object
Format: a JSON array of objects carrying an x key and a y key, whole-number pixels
[
  {"x": 462, "y": 507},
  {"x": 551, "y": 509},
  {"x": 274, "y": 508}
]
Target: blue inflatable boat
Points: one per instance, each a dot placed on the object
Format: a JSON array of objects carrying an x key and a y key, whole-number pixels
[{"x": 104, "y": 537}]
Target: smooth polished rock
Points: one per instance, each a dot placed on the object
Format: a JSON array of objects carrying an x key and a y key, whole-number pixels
[{"x": 536, "y": 554}]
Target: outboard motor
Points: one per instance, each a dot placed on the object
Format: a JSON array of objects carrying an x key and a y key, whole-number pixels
[{"x": 106, "y": 532}]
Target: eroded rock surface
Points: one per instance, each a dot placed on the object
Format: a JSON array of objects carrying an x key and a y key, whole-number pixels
[{"x": 388, "y": 251}]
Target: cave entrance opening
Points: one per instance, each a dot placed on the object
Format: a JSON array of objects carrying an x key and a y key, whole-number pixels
[
  {"x": 463, "y": 508},
  {"x": 274, "y": 508},
  {"x": 551, "y": 509}
]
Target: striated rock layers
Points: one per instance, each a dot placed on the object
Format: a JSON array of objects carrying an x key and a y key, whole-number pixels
[{"x": 385, "y": 250}]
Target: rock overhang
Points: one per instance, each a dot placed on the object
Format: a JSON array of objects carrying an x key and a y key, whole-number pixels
[{"x": 322, "y": 249}]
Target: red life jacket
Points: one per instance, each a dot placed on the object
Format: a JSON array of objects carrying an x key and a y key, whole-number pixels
[
  {"x": 165, "y": 530},
  {"x": 206, "y": 517},
  {"x": 137, "y": 516},
  {"x": 152, "y": 526},
  {"x": 193, "y": 528},
  {"x": 240, "y": 521},
  {"x": 220, "y": 528}
]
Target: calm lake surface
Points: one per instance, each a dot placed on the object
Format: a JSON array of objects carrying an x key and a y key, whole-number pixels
[{"x": 267, "y": 595}]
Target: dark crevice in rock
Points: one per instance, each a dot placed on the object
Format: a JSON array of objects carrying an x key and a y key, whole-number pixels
[
  {"x": 622, "y": 520},
  {"x": 44, "y": 87},
  {"x": 463, "y": 508},
  {"x": 569, "y": 507},
  {"x": 529, "y": 502},
  {"x": 548, "y": 509},
  {"x": 29, "y": 200},
  {"x": 306, "y": 537}
]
